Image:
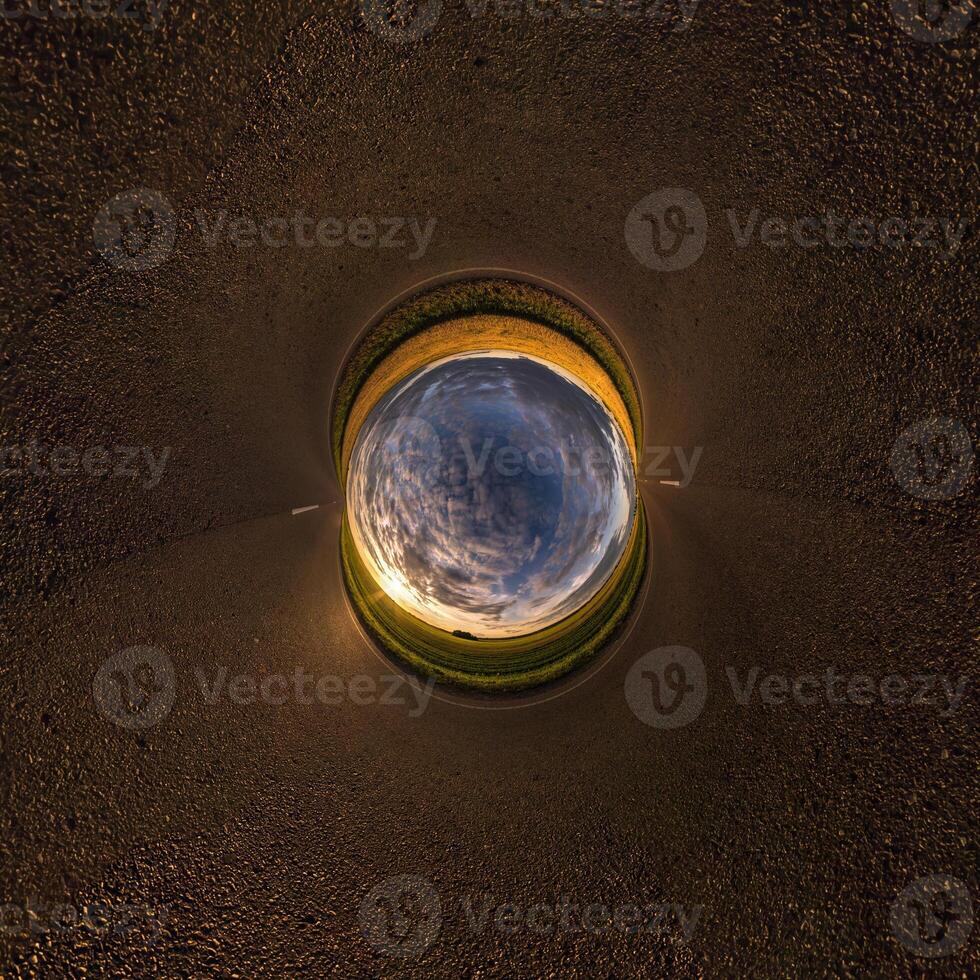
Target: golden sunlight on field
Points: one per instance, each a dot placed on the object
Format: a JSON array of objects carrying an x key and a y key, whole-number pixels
[{"x": 479, "y": 332}]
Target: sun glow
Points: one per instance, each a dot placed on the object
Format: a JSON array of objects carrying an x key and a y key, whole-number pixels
[{"x": 395, "y": 587}]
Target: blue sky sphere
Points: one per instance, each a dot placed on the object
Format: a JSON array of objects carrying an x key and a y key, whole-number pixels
[{"x": 490, "y": 492}]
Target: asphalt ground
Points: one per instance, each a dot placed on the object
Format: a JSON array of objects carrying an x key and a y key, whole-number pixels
[{"x": 262, "y": 838}]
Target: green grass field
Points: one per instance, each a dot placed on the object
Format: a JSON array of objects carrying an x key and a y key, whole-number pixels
[{"x": 499, "y": 665}]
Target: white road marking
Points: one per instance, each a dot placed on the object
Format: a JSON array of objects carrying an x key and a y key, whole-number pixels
[
  {"x": 671, "y": 483},
  {"x": 303, "y": 510}
]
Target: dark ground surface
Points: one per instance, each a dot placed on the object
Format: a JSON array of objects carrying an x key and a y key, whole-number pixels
[{"x": 261, "y": 828}]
